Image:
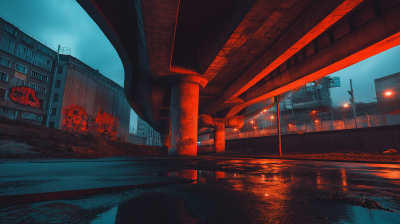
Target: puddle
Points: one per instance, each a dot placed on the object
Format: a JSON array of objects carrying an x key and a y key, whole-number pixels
[{"x": 107, "y": 217}]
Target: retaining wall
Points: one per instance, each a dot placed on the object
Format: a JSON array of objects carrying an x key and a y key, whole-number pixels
[{"x": 362, "y": 139}]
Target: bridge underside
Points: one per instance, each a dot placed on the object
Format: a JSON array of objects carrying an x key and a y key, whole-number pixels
[{"x": 183, "y": 58}]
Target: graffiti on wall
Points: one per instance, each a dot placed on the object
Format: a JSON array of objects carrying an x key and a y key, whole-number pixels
[
  {"x": 24, "y": 95},
  {"x": 78, "y": 121}
]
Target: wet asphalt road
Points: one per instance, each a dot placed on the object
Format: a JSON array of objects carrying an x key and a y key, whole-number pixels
[{"x": 223, "y": 191}]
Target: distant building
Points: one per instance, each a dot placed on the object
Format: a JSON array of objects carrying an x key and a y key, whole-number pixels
[
  {"x": 26, "y": 73},
  {"x": 145, "y": 134},
  {"x": 312, "y": 95},
  {"x": 58, "y": 91},
  {"x": 79, "y": 86},
  {"x": 390, "y": 83}
]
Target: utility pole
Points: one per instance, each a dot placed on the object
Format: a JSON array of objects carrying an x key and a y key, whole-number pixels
[
  {"x": 353, "y": 102},
  {"x": 279, "y": 124}
]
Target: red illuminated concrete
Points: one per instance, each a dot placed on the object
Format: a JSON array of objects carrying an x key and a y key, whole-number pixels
[
  {"x": 245, "y": 52},
  {"x": 219, "y": 125},
  {"x": 219, "y": 134},
  {"x": 305, "y": 30},
  {"x": 184, "y": 114}
]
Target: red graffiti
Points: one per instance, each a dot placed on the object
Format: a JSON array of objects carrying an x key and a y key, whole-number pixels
[
  {"x": 106, "y": 124},
  {"x": 24, "y": 95},
  {"x": 78, "y": 121}
]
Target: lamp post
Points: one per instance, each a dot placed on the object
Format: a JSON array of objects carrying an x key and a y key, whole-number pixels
[
  {"x": 272, "y": 124},
  {"x": 351, "y": 92},
  {"x": 279, "y": 124}
]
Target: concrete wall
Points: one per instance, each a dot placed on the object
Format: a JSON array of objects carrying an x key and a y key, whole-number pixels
[
  {"x": 137, "y": 140},
  {"x": 87, "y": 88},
  {"x": 362, "y": 139}
]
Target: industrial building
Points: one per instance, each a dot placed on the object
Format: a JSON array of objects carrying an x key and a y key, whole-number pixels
[
  {"x": 46, "y": 88},
  {"x": 387, "y": 88},
  {"x": 145, "y": 135}
]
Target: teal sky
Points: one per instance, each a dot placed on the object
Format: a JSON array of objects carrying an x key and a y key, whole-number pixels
[{"x": 64, "y": 22}]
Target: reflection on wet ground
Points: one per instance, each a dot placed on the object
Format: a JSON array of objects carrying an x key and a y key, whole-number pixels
[{"x": 238, "y": 191}]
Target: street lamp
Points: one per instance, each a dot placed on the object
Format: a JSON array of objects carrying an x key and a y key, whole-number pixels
[
  {"x": 272, "y": 117},
  {"x": 389, "y": 94},
  {"x": 345, "y": 105}
]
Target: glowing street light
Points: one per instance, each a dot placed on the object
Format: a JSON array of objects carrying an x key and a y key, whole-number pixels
[
  {"x": 265, "y": 110},
  {"x": 316, "y": 121},
  {"x": 345, "y": 105},
  {"x": 389, "y": 94},
  {"x": 251, "y": 122}
]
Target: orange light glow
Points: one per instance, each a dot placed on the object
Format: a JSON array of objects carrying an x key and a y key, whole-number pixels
[
  {"x": 265, "y": 110},
  {"x": 314, "y": 111},
  {"x": 272, "y": 117},
  {"x": 251, "y": 121},
  {"x": 316, "y": 121},
  {"x": 235, "y": 129},
  {"x": 388, "y": 93},
  {"x": 345, "y": 105}
]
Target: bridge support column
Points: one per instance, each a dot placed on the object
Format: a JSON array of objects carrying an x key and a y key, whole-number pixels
[
  {"x": 167, "y": 136},
  {"x": 184, "y": 113},
  {"x": 219, "y": 137}
]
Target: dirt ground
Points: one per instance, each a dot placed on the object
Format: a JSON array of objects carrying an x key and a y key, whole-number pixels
[{"x": 22, "y": 140}]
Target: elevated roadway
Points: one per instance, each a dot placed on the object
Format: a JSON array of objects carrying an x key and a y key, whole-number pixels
[{"x": 185, "y": 58}]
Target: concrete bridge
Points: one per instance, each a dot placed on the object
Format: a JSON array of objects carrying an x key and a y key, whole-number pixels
[{"x": 185, "y": 58}]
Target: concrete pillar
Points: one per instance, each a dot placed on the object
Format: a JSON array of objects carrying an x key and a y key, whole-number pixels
[
  {"x": 167, "y": 136},
  {"x": 184, "y": 114},
  {"x": 219, "y": 137}
]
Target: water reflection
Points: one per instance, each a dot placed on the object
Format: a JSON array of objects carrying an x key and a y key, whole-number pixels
[
  {"x": 107, "y": 217},
  {"x": 287, "y": 187}
]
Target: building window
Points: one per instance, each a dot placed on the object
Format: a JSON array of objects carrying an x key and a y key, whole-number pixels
[
  {"x": 34, "y": 58},
  {"x": 55, "y": 98},
  {"x": 51, "y": 124},
  {"x": 19, "y": 82},
  {"x": 41, "y": 102},
  {"x": 3, "y": 76},
  {"x": 5, "y": 62},
  {"x": 31, "y": 116},
  {"x": 20, "y": 68},
  {"x": 39, "y": 76},
  {"x": 8, "y": 112},
  {"x": 11, "y": 29},
  {"x": 38, "y": 88},
  {"x": 7, "y": 45},
  {"x": 39, "y": 117},
  {"x": 2, "y": 93},
  {"x": 27, "y": 39},
  {"x": 58, "y": 83},
  {"x": 45, "y": 49},
  {"x": 53, "y": 111},
  {"x": 59, "y": 70}
]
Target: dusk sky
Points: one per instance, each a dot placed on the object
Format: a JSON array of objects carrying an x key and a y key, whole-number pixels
[{"x": 66, "y": 23}]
